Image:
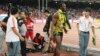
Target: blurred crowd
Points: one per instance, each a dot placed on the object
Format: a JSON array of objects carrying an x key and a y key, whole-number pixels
[
  {"x": 38, "y": 14},
  {"x": 20, "y": 25},
  {"x": 76, "y": 13}
]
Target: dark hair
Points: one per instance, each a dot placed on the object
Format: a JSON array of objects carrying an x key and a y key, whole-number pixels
[
  {"x": 46, "y": 11},
  {"x": 14, "y": 10},
  {"x": 60, "y": 5},
  {"x": 20, "y": 11},
  {"x": 37, "y": 34},
  {"x": 88, "y": 9},
  {"x": 28, "y": 13}
]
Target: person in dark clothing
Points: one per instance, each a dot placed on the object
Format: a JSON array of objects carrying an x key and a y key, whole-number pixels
[
  {"x": 22, "y": 31},
  {"x": 38, "y": 42},
  {"x": 6, "y": 18},
  {"x": 48, "y": 20},
  {"x": 46, "y": 30}
]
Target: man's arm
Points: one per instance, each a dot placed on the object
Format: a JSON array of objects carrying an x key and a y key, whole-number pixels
[
  {"x": 92, "y": 27},
  {"x": 55, "y": 18},
  {"x": 78, "y": 27},
  {"x": 53, "y": 23},
  {"x": 31, "y": 20},
  {"x": 17, "y": 33},
  {"x": 51, "y": 29},
  {"x": 93, "y": 30},
  {"x": 3, "y": 23},
  {"x": 12, "y": 24},
  {"x": 94, "y": 36}
]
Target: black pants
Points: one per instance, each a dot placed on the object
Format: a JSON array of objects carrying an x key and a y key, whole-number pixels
[{"x": 23, "y": 47}]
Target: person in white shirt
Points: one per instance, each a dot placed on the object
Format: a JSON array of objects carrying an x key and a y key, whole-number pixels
[
  {"x": 12, "y": 34},
  {"x": 83, "y": 25}
]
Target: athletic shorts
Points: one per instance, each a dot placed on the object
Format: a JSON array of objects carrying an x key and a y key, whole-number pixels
[
  {"x": 30, "y": 34},
  {"x": 58, "y": 34}
]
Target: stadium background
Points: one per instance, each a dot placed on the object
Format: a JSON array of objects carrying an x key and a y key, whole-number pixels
[{"x": 71, "y": 38}]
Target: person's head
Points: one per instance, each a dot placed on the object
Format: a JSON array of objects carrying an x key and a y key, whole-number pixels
[
  {"x": 28, "y": 14},
  {"x": 83, "y": 13},
  {"x": 37, "y": 35},
  {"x": 22, "y": 14},
  {"x": 15, "y": 11},
  {"x": 87, "y": 12},
  {"x": 1, "y": 11},
  {"x": 62, "y": 6},
  {"x": 46, "y": 13}
]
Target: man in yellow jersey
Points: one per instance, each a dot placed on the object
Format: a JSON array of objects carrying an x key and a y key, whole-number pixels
[{"x": 59, "y": 23}]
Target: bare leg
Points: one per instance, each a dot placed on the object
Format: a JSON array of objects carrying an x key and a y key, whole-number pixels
[{"x": 57, "y": 48}]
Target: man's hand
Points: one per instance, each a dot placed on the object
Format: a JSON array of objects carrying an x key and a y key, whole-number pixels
[
  {"x": 94, "y": 35},
  {"x": 78, "y": 31},
  {"x": 65, "y": 30},
  {"x": 0, "y": 23},
  {"x": 94, "y": 40},
  {"x": 37, "y": 43},
  {"x": 22, "y": 38}
]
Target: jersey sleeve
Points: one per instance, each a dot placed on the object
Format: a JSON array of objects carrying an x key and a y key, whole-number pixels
[
  {"x": 67, "y": 24},
  {"x": 12, "y": 22}
]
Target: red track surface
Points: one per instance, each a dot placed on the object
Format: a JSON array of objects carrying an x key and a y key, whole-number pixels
[{"x": 70, "y": 38}]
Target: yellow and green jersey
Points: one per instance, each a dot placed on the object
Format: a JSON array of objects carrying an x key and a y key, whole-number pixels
[{"x": 61, "y": 21}]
